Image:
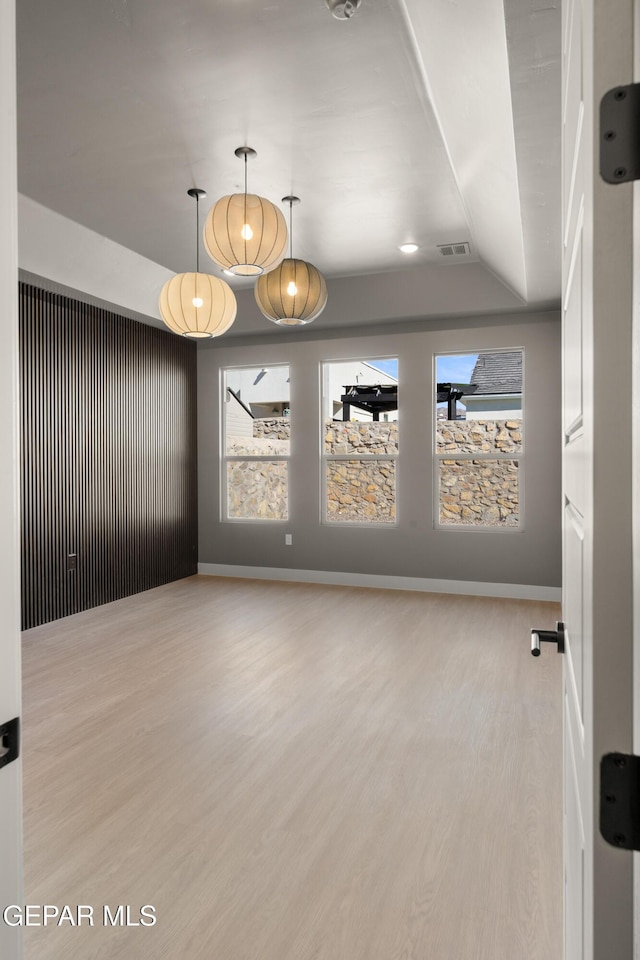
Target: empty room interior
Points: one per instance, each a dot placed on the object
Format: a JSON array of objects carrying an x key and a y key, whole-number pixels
[{"x": 290, "y": 425}]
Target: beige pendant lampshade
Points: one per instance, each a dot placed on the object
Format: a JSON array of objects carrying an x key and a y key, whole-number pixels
[
  {"x": 197, "y": 305},
  {"x": 295, "y": 292},
  {"x": 244, "y": 233}
]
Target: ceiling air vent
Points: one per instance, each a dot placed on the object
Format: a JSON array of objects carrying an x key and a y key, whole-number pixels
[{"x": 454, "y": 250}]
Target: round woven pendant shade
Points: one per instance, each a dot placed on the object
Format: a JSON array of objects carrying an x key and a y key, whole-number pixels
[
  {"x": 245, "y": 234},
  {"x": 292, "y": 294},
  {"x": 197, "y": 305}
]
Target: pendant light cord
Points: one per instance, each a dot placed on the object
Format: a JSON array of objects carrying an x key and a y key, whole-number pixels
[
  {"x": 197, "y": 234},
  {"x": 291, "y": 229},
  {"x": 245, "y": 201}
]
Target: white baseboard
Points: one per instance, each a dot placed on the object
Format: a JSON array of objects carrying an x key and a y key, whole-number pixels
[{"x": 513, "y": 591}]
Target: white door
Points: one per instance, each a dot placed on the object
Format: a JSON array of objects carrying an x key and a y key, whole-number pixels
[
  {"x": 10, "y": 806},
  {"x": 597, "y": 478}
]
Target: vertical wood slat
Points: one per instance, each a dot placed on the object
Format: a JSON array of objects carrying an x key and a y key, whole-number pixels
[{"x": 108, "y": 466}]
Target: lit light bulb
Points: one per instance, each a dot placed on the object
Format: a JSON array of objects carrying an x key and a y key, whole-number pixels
[
  {"x": 246, "y": 233},
  {"x": 197, "y": 301},
  {"x": 292, "y": 289}
]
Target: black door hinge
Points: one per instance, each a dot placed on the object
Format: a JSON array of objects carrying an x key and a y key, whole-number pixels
[
  {"x": 620, "y": 134},
  {"x": 9, "y": 741},
  {"x": 620, "y": 800}
]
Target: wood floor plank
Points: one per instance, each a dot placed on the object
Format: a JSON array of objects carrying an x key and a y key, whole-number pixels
[{"x": 296, "y": 772}]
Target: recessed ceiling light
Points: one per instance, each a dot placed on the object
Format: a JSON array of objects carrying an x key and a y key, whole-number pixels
[{"x": 409, "y": 247}]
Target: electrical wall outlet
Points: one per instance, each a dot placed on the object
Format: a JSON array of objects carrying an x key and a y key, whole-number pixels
[{"x": 288, "y": 539}]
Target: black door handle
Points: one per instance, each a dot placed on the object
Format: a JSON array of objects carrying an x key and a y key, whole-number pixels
[
  {"x": 9, "y": 741},
  {"x": 547, "y": 636}
]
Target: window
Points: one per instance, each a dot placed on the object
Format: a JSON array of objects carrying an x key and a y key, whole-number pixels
[
  {"x": 478, "y": 433},
  {"x": 256, "y": 440},
  {"x": 360, "y": 441}
]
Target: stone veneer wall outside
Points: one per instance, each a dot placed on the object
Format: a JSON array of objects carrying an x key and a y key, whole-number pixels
[
  {"x": 275, "y": 428},
  {"x": 257, "y": 489},
  {"x": 479, "y": 436},
  {"x": 342, "y": 437},
  {"x": 361, "y": 490},
  {"x": 481, "y": 491}
]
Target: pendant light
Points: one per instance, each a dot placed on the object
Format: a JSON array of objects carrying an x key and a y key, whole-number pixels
[
  {"x": 295, "y": 292},
  {"x": 197, "y": 305},
  {"x": 243, "y": 233}
]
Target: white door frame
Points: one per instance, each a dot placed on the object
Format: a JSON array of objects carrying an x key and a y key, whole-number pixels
[
  {"x": 10, "y": 682},
  {"x": 636, "y": 482},
  {"x": 598, "y": 584}
]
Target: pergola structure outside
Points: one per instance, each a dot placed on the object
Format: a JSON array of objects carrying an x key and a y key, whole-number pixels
[{"x": 382, "y": 398}]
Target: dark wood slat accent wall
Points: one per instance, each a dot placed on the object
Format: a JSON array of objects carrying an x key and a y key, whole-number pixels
[{"x": 108, "y": 456}]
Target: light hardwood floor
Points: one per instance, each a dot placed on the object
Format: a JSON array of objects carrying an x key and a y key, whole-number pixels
[{"x": 296, "y": 772}]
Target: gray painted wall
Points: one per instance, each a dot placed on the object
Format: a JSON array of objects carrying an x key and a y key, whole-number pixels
[{"x": 413, "y": 548}]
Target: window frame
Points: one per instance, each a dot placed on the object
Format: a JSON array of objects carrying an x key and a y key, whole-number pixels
[
  {"x": 437, "y": 457},
  {"x": 225, "y": 458},
  {"x": 325, "y": 457}
]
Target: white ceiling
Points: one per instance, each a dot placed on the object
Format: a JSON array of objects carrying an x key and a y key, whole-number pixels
[{"x": 436, "y": 121}]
